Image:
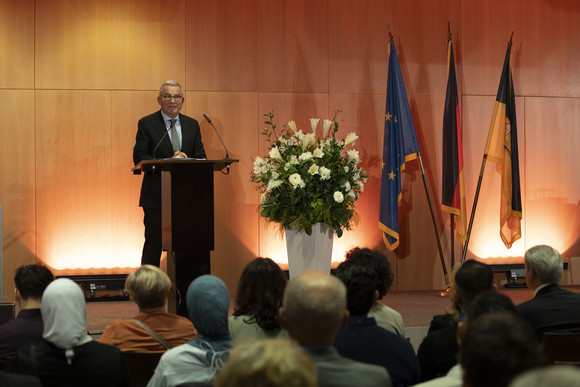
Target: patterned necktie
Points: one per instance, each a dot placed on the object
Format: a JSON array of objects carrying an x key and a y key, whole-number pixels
[{"x": 174, "y": 136}]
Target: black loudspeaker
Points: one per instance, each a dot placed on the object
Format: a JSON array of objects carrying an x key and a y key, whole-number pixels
[{"x": 7, "y": 311}]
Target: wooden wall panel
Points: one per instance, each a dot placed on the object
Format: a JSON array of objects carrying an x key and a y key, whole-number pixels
[
  {"x": 221, "y": 45},
  {"x": 544, "y": 49},
  {"x": 359, "y": 39},
  {"x": 109, "y": 44},
  {"x": 293, "y": 46},
  {"x": 127, "y": 220},
  {"x": 73, "y": 176},
  {"x": 553, "y": 161},
  {"x": 235, "y": 200},
  {"x": 17, "y": 185},
  {"x": 17, "y": 44}
]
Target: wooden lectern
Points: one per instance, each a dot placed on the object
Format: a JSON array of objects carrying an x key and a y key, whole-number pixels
[{"x": 187, "y": 208}]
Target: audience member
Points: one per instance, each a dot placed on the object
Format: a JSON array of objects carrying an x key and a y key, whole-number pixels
[
  {"x": 451, "y": 314},
  {"x": 555, "y": 375},
  {"x": 27, "y": 327},
  {"x": 485, "y": 302},
  {"x": 273, "y": 362},
  {"x": 552, "y": 309},
  {"x": 497, "y": 347},
  {"x": 259, "y": 297},
  {"x": 149, "y": 286},
  {"x": 313, "y": 311},
  {"x": 67, "y": 356},
  {"x": 196, "y": 363},
  {"x": 378, "y": 266},
  {"x": 438, "y": 351},
  {"x": 362, "y": 339}
]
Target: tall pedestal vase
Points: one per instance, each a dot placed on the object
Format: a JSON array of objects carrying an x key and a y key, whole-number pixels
[{"x": 310, "y": 252}]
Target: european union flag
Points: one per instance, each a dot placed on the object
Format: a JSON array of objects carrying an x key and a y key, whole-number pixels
[{"x": 400, "y": 146}]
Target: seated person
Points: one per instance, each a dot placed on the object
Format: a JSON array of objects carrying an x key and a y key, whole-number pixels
[
  {"x": 438, "y": 350},
  {"x": 269, "y": 362},
  {"x": 197, "y": 362},
  {"x": 377, "y": 264},
  {"x": 552, "y": 309},
  {"x": 149, "y": 286},
  {"x": 497, "y": 347},
  {"x": 68, "y": 356},
  {"x": 313, "y": 311},
  {"x": 27, "y": 327},
  {"x": 259, "y": 297},
  {"x": 362, "y": 339}
]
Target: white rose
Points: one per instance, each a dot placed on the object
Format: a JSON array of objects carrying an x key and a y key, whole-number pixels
[
  {"x": 296, "y": 181},
  {"x": 338, "y": 197},
  {"x": 305, "y": 156},
  {"x": 324, "y": 173}
]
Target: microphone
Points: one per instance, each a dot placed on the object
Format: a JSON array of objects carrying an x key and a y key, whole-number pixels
[
  {"x": 216, "y": 132},
  {"x": 160, "y": 141},
  {"x": 224, "y": 145}
]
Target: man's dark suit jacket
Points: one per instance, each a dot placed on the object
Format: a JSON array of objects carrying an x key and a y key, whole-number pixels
[
  {"x": 438, "y": 352},
  {"x": 553, "y": 309},
  {"x": 150, "y": 132}
]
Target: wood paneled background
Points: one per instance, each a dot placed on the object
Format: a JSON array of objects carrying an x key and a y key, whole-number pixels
[{"x": 76, "y": 75}]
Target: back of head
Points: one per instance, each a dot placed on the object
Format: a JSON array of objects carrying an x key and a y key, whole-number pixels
[
  {"x": 267, "y": 363},
  {"x": 545, "y": 262},
  {"x": 149, "y": 287},
  {"x": 552, "y": 376},
  {"x": 64, "y": 314},
  {"x": 208, "y": 304},
  {"x": 260, "y": 293},
  {"x": 314, "y": 307},
  {"x": 471, "y": 278},
  {"x": 496, "y": 348},
  {"x": 376, "y": 264},
  {"x": 31, "y": 280},
  {"x": 488, "y": 301},
  {"x": 360, "y": 287}
]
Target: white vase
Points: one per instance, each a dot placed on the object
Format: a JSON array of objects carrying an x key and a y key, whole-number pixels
[{"x": 310, "y": 252}]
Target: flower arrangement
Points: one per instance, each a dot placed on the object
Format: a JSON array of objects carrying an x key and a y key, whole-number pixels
[{"x": 306, "y": 179}]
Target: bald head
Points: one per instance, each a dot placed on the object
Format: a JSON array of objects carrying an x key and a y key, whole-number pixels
[{"x": 314, "y": 308}]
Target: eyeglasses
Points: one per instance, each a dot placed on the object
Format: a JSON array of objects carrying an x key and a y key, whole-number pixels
[{"x": 169, "y": 97}]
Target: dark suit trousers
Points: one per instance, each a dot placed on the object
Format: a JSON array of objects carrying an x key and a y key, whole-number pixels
[{"x": 152, "y": 246}]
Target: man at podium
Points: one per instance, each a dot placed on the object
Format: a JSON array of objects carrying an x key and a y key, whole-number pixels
[{"x": 163, "y": 134}]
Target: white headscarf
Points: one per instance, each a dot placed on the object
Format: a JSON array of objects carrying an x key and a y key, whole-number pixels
[{"x": 64, "y": 315}]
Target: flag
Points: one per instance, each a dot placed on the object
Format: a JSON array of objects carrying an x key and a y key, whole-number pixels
[
  {"x": 453, "y": 191},
  {"x": 399, "y": 146},
  {"x": 502, "y": 149}
]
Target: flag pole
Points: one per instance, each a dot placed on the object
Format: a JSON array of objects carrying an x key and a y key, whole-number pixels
[
  {"x": 451, "y": 216},
  {"x": 480, "y": 179},
  {"x": 434, "y": 220}
]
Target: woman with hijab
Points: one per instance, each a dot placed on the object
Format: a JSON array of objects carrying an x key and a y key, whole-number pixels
[
  {"x": 68, "y": 356},
  {"x": 197, "y": 362}
]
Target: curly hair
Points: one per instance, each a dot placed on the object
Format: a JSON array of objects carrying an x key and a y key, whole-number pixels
[
  {"x": 376, "y": 264},
  {"x": 260, "y": 293}
]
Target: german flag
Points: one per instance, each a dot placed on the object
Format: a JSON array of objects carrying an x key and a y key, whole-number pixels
[
  {"x": 502, "y": 149},
  {"x": 400, "y": 145},
  {"x": 453, "y": 191}
]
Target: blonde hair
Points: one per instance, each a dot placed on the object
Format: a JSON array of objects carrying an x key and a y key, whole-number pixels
[
  {"x": 267, "y": 363},
  {"x": 149, "y": 287}
]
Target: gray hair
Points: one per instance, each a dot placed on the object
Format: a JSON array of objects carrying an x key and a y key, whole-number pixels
[
  {"x": 170, "y": 83},
  {"x": 315, "y": 304},
  {"x": 545, "y": 262}
]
